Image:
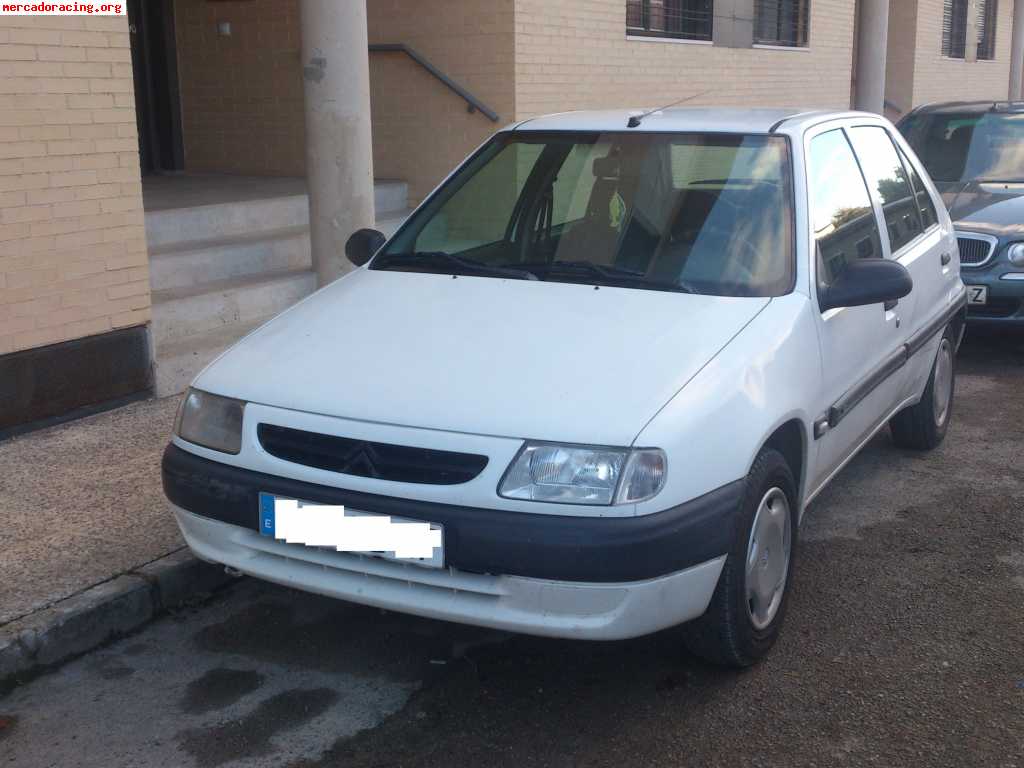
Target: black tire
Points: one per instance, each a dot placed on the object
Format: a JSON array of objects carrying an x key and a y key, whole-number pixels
[
  {"x": 921, "y": 427},
  {"x": 726, "y": 634}
]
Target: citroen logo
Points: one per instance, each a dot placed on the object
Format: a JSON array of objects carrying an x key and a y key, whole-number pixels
[{"x": 362, "y": 460}]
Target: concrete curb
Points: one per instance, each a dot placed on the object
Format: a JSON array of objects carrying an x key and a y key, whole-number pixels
[{"x": 102, "y": 613}]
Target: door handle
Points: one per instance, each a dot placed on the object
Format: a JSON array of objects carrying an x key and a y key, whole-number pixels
[{"x": 946, "y": 258}]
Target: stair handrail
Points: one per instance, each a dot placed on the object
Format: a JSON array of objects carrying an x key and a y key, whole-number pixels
[{"x": 475, "y": 104}]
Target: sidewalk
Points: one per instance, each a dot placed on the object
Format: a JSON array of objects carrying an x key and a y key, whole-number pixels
[{"x": 81, "y": 504}]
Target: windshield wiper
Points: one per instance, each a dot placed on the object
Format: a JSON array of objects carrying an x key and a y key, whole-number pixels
[
  {"x": 445, "y": 259},
  {"x": 617, "y": 275},
  {"x": 1000, "y": 181}
]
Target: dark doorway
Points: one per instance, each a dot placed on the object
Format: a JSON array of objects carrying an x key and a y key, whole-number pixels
[{"x": 155, "y": 71}]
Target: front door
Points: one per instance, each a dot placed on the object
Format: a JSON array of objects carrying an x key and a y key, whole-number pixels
[{"x": 862, "y": 368}]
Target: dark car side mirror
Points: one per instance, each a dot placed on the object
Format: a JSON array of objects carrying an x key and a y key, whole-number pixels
[
  {"x": 362, "y": 244},
  {"x": 867, "y": 281}
]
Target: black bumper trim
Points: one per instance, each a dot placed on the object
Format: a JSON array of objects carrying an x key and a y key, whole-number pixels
[{"x": 498, "y": 542}]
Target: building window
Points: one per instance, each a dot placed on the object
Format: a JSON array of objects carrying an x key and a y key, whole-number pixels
[
  {"x": 954, "y": 28},
  {"x": 988, "y": 11},
  {"x": 781, "y": 22},
  {"x": 682, "y": 19}
]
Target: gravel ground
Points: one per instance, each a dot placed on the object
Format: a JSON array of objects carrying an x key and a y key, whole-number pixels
[{"x": 903, "y": 646}]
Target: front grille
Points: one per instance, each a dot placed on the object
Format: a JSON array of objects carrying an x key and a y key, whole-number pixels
[
  {"x": 382, "y": 461},
  {"x": 974, "y": 250}
]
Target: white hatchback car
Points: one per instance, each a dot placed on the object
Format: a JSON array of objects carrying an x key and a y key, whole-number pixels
[{"x": 601, "y": 371}]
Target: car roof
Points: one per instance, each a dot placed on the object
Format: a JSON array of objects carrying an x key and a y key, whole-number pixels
[
  {"x": 969, "y": 107},
  {"x": 680, "y": 119}
]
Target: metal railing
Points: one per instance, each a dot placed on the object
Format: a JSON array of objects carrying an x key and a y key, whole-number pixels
[{"x": 474, "y": 104}]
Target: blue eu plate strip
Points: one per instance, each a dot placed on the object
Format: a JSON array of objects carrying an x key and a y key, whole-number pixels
[{"x": 267, "y": 514}]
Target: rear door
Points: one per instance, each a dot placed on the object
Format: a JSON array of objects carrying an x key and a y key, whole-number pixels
[{"x": 861, "y": 347}]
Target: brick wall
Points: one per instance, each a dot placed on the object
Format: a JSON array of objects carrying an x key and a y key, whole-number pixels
[
  {"x": 574, "y": 55},
  {"x": 421, "y": 130},
  {"x": 241, "y": 96},
  {"x": 937, "y": 78},
  {"x": 73, "y": 256}
]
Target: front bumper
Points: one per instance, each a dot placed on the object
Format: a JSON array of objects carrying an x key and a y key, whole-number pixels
[
  {"x": 584, "y": 577},
  {"x": 1005, "y": 295}
]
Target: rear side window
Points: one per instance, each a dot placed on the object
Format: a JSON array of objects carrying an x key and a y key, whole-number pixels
[
  {"x": 844, "y": 222},
  {"x": 925, "y": 206},
  {"x": 886, "y": 176}
]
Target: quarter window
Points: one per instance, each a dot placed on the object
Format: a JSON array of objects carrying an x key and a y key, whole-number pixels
[
  {"x": 844, "y": 222},
  {"x": 929, "y": 216},
  {"x": 682, "y": 19},
  {"x": 781, "y": 22},
  {"x": 885, "y": 174}
]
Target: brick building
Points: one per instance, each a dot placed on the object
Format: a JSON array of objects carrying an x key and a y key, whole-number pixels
[{"x": 154, "y": 196}]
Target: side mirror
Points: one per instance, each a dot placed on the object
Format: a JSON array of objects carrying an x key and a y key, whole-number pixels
[
  {"x": 363, "y": 244},
  {"x": 867, "y": 281}
]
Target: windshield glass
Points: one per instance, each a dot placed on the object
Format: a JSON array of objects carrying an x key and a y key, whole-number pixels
[
  {"x": 697, "y": 213},
  {"x": 968, "y": 146}
]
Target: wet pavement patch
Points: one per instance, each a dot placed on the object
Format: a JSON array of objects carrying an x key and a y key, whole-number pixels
[
  {"x": 219, "y": 688},
  {"x": 252, "y": 734}
]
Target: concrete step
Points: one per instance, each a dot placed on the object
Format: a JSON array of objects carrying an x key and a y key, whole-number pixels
[
  {"x": 221, "y": 220},
  {"x": 179, "y": 361},
  {"x": 195, "y": 262},
  {"x": 390, "y": 197},
  {"x": 195, "y": 309}
]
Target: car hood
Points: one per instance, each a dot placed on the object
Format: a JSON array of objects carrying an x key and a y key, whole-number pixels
[
  {"x": 989, "y": 208},
  {"x": 502, "y": 357}
]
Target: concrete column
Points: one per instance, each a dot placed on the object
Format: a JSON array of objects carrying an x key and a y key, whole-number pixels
[
  {"x": 339, "y": 151},
  {"x": 1017, "y": 52},
  {"x": 872, "y": 46}
]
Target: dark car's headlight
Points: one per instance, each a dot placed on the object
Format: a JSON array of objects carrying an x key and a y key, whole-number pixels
[
  {"x": 1015, "y": 253},
  {"x": 580, "y": 474},
  {"x": 211, "y": 421}
]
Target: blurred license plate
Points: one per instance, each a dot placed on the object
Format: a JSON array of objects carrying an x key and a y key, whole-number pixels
[
  {"x": 351, "y": 530},
  {"x": 977, "y": 294}
]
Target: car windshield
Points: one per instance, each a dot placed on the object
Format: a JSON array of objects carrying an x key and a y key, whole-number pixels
[
  {"x": 694, "y": 213},
  {"x": 960, "y": 147}
]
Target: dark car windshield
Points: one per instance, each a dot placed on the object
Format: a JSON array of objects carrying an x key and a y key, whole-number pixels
[
  {"x": 698, "y": 213},
  {"x": 957, "y": 147}
]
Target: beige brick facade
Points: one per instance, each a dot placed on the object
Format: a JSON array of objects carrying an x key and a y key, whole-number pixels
[
  {"x": 241, "y": 95},
  {"x": 73, "y": 258},
  {"x": 574, "y": 54}
]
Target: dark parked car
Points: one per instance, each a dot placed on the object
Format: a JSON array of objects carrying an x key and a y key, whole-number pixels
[{"x": 974, "y": 152}]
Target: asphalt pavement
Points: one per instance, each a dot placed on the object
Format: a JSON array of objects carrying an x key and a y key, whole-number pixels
[{"x": 903, "y": 646}]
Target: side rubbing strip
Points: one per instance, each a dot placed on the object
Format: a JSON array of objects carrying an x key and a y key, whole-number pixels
[{"x": 893, "y": 363}]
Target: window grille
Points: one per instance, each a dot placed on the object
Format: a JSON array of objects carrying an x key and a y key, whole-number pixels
[
  {"x": 988, "y": 12},
  {"x": 954, "y": 28},
  {"x": 781, "y": 22},
  {"x": 682, "y": 19}
]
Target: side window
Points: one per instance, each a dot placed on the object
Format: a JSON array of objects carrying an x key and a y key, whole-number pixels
[
  {"x": 844, "y": 222},
  {"x": 886, "y": 175},
  {"x": 929, "y": 217}
]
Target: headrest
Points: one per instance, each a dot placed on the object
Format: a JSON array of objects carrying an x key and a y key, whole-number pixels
[{"x": 606, "y": 167}]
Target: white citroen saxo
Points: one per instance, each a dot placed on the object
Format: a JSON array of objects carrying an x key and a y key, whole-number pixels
[{"x": 591, "y": 384}]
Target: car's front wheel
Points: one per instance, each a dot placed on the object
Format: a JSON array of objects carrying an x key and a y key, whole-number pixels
[
  {"x": 923, "y": 426},
  {"x": 746, "y": 611}
]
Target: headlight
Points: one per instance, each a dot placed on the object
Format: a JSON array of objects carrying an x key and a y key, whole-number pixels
[
  {"x": 1015, "y": 253},
  {"x": 211, "y": 421},
  {"x": 579, "y": 474}
]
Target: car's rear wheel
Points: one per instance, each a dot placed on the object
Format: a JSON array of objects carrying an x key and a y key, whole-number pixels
[
  {"x": 746, "y": 611},
  {"x": 923, "y": 426}
]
